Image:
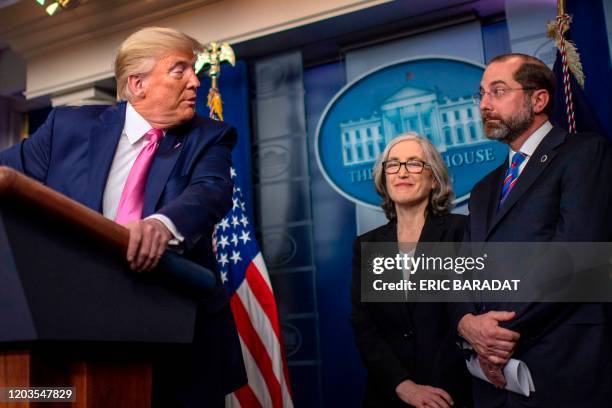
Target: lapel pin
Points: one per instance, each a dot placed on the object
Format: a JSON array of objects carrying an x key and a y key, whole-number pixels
[{"x": 543, "y": 158}]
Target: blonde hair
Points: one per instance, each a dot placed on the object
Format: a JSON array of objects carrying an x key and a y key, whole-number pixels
[
  {"x": 139, "y": 52},
  {"x": 442, "y": 195}
]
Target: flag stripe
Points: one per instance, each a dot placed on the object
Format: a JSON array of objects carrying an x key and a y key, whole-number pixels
[
  {"x": 255, "y": 379},
  {"x": 247, "y": 398},
  {"x": 261, "y": 289},
  {"x": 261, "y": 325},
  {"x": 264, "y": 296},
  {"x": 261, "y": 267},
  {"x": 257, "y": 349},
  {"x": 273, "y": 344},
  {"x": 231, "y": 401},
  {"x": 287, "y": 399}
]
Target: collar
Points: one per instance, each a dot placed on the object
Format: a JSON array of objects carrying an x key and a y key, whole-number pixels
[
  {"x": 135, "y": 125},
  {"x": 533, "y": 141}
]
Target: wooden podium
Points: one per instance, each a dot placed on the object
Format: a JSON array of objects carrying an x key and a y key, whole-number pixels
[{"x": 72, "y": 313}]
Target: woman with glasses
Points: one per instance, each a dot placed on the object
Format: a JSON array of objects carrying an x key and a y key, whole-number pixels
[{"x": 408, "y": 348}]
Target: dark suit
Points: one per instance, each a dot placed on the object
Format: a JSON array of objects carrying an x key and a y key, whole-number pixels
[
  {"x": 400, "y": 341},
  {"x": 188, "y": 181},
  {"x": 563, "y": 194}
]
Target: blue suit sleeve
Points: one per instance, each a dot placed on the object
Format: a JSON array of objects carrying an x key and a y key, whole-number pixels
[
  {"x": 208, "y": 197},
  {"x": 32, "y": 156}
]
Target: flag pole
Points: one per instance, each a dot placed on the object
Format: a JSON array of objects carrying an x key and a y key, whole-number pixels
[
  {"x": 560, "y": 7},
  {"x": 570, "y": 59}
]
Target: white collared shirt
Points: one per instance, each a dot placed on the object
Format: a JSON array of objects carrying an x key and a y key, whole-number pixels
[
  {"x": 130, "y": 144},
  {"x": 531, "y": 144}
]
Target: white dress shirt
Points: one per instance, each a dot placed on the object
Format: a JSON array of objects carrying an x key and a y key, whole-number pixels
[
  {"x": 131, "y": 142},
  {"x": 531, "y": 144}
]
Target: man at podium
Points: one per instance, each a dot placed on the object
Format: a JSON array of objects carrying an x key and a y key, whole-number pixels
[{"x": 151, "y": 164}]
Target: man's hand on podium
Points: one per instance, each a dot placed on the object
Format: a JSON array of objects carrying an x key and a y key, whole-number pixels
[{"x": 148, "y": 241}]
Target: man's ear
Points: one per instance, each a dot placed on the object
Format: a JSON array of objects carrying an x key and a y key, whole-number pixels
[
  {"x": 540, "y": 99},
  {"x": 137, "y": 85}
]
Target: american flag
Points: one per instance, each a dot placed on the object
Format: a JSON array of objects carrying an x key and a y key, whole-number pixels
[{"x": 245, "y": 276}]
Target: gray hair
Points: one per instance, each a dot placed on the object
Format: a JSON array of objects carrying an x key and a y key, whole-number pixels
[
  {"x": 139, "y": 53},
  {"x": 442, "y": 195}
]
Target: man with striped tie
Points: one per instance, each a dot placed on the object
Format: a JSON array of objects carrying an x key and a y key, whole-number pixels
[{"x": 554, "y": 186}]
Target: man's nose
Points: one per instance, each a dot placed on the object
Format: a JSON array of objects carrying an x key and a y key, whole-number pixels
[
  {"x": 485, "y": 102},
  {"x": 194, "y": 82}
]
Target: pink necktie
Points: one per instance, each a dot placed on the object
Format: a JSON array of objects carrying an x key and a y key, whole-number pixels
[{"x": 132, "y": 197}]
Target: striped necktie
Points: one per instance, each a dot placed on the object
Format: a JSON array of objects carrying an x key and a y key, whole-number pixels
[{"x": 511, "y": 175}]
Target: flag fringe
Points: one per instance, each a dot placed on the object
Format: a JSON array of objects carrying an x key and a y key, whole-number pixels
[
  {"x": 215, "y": 104},
  {"x": 573, "y": 56}
]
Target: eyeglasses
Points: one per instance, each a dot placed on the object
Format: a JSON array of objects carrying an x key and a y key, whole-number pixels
[
  {"x": 497, "y": 93},
  {"x": 412, "y": 166}
]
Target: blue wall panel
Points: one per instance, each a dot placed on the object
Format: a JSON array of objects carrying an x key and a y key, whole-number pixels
[{"x": 334, "y": 231}]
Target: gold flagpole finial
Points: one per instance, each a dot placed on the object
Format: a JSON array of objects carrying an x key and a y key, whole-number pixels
[{"x": 210, "y": 60}]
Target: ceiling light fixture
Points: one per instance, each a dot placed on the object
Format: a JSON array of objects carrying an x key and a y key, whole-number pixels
[
  {"x": 57, "y": 5},
  {"x": 52, "y": 8}
]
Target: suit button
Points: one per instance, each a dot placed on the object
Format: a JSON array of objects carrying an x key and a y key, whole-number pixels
[{"x": 408, "y": 334}]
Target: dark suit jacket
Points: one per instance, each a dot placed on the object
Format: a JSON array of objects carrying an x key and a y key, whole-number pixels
[
  {"x": 399, "y": 341},
  {"x": 189, "y": 182},
  {"x": 563, "y": 194}
]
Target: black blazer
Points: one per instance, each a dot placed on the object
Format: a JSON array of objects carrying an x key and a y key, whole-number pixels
[
  {"x": 563, "y": 194},
  {"x": 399, "y": 341}
]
